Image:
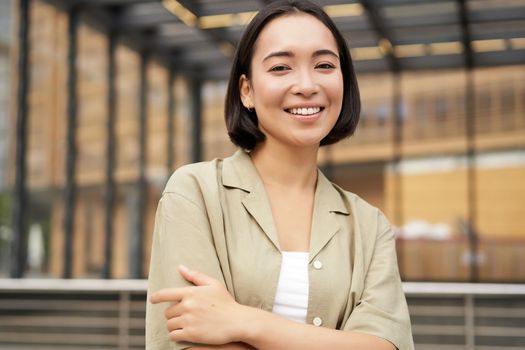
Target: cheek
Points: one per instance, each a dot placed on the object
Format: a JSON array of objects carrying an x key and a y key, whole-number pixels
[
  {"x": 335, "y": 87},
  {"x": 272, "y": 93}
]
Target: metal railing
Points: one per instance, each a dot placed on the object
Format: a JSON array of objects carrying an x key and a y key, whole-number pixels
[
  {"x": 72, "y": 314},
  {"x": 467, "y": 316},
  {"x": 109, "y": 314}
]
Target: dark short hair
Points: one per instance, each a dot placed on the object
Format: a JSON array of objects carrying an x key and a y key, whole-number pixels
[{"x": 242, "y": 124}]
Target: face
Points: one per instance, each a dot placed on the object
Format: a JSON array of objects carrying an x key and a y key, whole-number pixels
[{"x": 296, "y": 84}]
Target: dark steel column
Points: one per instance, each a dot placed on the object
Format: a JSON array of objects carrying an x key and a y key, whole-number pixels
[
  {"x": 471, "y": 177},
  {"x": 470, "y": 131},
  {"x": 19, "y": 210},
  {"x": 196, "y": 110},
  {"x": 110, "y": 156},
  {"x": 137, "y": 233},
  {"x": 397, "y": 145},
  {"x": 397, "y": 129},
  {"x": 71, "y": 156},
  {"x": 170, "y": 151}
]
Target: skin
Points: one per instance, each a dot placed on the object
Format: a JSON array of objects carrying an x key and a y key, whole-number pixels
[
  {"x": 289, "y": 71},
  {"x": 303, "y": 73}
]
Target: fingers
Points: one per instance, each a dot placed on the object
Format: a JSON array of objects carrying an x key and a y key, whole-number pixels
[
  {"x": 176, "y": 330},
  {"x": 178, "y": 335},
  {"x": 174, "y": 324},
  {"x": 177, "y": 294},
  {"x": 196, "y": 277},
  {"x": 174, "y": 311},
  {"x": 168, "y": 294}
]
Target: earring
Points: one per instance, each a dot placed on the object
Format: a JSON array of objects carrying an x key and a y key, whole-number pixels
[{"x": 250, "y": 109}]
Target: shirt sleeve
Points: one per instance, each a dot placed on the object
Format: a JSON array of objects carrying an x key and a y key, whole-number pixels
[
  {"x": 382, "y": 310},
  {"x": 182, "y": 235}
]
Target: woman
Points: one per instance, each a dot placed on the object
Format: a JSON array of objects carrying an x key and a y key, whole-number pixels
[{"x": 260, "y": 250}]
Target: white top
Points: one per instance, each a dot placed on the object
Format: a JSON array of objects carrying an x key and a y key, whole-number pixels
[{"x": 291, "y": 297}]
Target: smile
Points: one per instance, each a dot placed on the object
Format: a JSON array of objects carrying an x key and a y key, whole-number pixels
[{"x": 304, "y": 110}]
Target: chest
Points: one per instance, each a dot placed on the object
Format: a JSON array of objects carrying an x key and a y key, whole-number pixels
[
  {"x": 292, "y": 218},
  {"x": 254, "y": 258}
]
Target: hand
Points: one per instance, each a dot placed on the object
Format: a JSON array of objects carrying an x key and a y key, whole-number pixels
[{"x": 205, "y": 313}]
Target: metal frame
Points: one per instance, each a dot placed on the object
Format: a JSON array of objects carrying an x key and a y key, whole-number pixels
[
  {"x": 19, "y": 213},
  {"x": 196, "y": 117},
  {"x": 136, "y": 256},
  {"x": 140, "y": 285},
  {"x": 470, "y": 120},
  {"x": 71, "y": 155},
  {"x": 170, "y": 133}
]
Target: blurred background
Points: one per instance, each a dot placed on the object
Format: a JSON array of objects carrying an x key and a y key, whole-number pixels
[{"x": 101, "y": 100}]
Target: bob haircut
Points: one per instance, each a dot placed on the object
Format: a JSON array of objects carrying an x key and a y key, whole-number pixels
[{"x": 241, "y": 123}]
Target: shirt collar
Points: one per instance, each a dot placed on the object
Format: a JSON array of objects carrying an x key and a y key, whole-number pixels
[{"x": 238, "y": 171}]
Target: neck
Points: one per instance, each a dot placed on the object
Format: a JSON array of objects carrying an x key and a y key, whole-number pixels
[{"x": 286, "y": 167}]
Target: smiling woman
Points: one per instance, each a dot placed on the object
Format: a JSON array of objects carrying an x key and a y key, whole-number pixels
[
  {"x": 294, "y": 85},
  {"x": 260, "y": 250}
]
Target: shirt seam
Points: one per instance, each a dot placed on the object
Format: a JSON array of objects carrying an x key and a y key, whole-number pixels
[{"x": 185, "y": 198}]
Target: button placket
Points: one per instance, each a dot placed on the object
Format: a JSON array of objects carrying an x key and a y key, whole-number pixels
[{"x": 316, "y": 265}]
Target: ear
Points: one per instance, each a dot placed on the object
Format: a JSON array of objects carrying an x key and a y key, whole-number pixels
[{"x": 246, "y": 91}]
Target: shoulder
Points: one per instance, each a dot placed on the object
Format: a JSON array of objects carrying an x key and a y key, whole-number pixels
[
  {"x": 192, "y": 183},
  {"x": 192, "y": 176}
]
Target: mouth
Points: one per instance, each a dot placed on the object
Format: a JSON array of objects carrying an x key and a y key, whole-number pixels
[{"x": 304, "y": 111}]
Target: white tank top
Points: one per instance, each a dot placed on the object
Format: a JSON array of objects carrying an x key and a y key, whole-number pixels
[{"x": 291, "y": 297}]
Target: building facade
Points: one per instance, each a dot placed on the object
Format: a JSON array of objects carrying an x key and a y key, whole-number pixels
[{"x": 412, "y": 156}]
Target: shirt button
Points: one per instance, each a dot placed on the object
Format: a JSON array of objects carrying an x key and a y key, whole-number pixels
[
  {"x": 318, "y": 264},
  {"x": 317, "y": 321}
]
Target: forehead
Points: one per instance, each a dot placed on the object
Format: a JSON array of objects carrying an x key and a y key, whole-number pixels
[{"x": 294, "y": 31}]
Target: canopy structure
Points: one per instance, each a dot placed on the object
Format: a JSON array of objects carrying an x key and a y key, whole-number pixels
[{"x": 384, "y": 35}]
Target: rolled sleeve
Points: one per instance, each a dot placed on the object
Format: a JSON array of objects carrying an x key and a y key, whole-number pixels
[
  {"x": 382, "y": 310},
  {"x": 181, "y": 236}
]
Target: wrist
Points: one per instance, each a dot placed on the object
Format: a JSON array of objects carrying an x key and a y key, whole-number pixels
[{"x": 250, "y": 324}]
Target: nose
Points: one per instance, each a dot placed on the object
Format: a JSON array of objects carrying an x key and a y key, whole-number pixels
[{"x": 305, "y": 84}]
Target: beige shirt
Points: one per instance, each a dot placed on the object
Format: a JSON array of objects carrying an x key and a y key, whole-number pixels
[{"x": 215, "y": 217}]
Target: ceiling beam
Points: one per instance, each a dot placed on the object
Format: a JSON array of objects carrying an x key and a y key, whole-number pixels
[
  {"x": 110, "y": 3},
  {"x": 131, "y": 21},
  {"x": 384, "y": 38},
  {"x": 217, "y": 36}
]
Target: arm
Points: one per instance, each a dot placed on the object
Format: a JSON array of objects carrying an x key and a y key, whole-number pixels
[
  {"x": 181, "y": 236},
  {"x": 380, "y": 319},
  {"x": 207, "y": 314},
  {"x": 268, "y": 331},
  {"x": 230, "y": 346}
]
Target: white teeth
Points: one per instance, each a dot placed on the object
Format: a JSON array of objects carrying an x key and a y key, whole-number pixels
[{"x": 305, "y": 111}]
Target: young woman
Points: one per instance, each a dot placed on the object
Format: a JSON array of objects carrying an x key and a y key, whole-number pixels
[{"x": 260, "y": 250}]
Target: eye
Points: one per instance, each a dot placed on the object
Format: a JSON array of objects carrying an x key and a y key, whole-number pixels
[
  {"x": 325, "y": 66},
  {"x": 279, "y": 68}
]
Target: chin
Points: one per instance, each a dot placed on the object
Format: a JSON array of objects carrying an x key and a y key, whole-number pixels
[
  {"x": 307, "y": 142},
  {"x": 309, "y": 139}
]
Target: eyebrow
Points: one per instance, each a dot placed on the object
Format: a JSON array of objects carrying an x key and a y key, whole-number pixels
[{"x": 317, "y": 53}]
